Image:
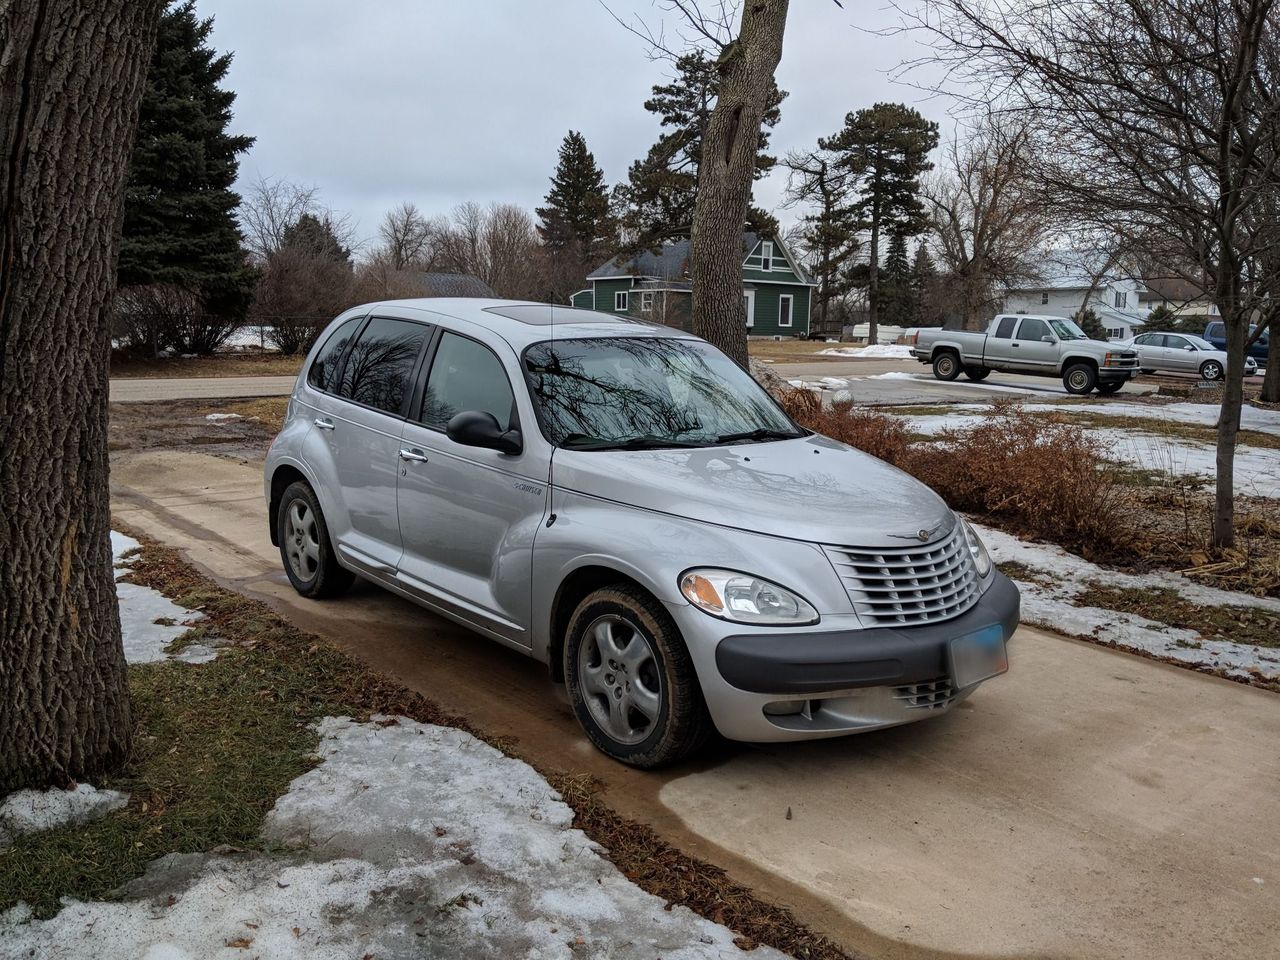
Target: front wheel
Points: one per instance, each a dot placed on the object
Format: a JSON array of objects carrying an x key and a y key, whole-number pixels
[
  {"x": 305, "y": 548},
  {"x": 1211, "y": 370},
  {"x": 1080, "y": 378},
  {"x": 977, "y": 374},
  {"x": 631, "y": 681},
  {"x": 1113, "y": 386},
  {"x": 946, "y": 366}
]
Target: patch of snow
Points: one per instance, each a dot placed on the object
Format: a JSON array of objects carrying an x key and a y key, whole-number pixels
[
  {"x": 418, "y": 840},
  {"x": 1051, "y": 606},
  {"x": 884, "y": 351},
  {"x": 833, "y": 381},
  {"x": 121, "y": 547},
  {"x": 895, "y": 375},
  {"x": 221, "y": 417},
  {"x": 248, "y": 337},
  {"x": 30, "y": 811},
  {"x": 1200, "y": 414},
  {"x": 150, "y": 621}
]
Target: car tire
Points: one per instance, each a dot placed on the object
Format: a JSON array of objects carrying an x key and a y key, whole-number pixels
[
  {"x": 305, "y": 549},
  {"x": 1211, "y": 370},
  {"x": 641, "y": 705},
  {"x": 1146, "y": 371},
  {"x": 1113, "y": 386},
  {"x": 1079, "y": 378},
  {"x": 946, "y": 366},
  {"x": 977, "y": 374}
]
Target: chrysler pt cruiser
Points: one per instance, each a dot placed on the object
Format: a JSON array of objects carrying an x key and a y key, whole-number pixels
[{"x": 622, "y": 502}]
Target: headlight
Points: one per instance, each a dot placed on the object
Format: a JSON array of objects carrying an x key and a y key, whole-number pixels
[
  {"x": 743, "y": 598},
  {"x": 981, "y": 559}
]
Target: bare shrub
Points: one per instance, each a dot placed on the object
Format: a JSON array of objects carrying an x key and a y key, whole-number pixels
[
  {"x": 878, "y": 434},
  {"x": 150, "y": 318}
]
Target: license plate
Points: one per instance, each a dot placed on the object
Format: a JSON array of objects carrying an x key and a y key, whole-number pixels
[{"x": 978, "y": 656}]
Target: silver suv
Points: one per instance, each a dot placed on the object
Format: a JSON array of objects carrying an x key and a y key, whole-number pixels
[{"x": 622, "y": 502}]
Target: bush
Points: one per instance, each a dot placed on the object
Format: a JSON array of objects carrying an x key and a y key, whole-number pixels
[
  {"x": 149, "y": 319},
  {"x": 881, "y": 436}
]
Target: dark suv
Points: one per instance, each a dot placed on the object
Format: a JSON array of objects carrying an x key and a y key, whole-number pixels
[{"x": 1216, "y": 333}]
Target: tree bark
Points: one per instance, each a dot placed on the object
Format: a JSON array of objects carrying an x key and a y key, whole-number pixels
[
  {"x": 725, "y": 175},
  {"x": 71, "y": 77}
]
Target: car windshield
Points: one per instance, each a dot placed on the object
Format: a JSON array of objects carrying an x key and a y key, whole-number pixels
[
  {"x": 1067, "y": 330},
  {"x": 621, "y": 392},
  {"x": 1200, "y": 344}
]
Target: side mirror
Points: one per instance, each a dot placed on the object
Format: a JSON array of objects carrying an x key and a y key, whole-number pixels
[
  {"x": 475, "y": 428},
  {"x": 1048, "y": 339},
  {"x": 1189, "y": 348}
]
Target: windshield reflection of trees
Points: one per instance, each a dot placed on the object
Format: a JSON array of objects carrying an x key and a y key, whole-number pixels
[
  {"x": 618, "y": 389},
  {"x": 378, "y": 369}
]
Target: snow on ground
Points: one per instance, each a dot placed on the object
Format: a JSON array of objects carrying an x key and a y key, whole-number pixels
[
  {"x": 1200, "y": 414},
  {"x": 414, "y": 840},
  {"x": 248, "y": 337},
  {"x": 1051, "y": 606},
  {"x": 150, "y": 621},
  {"x": 29, "y": 811},
  {"x": 880, "y": 351},
  {"x": 218, "y": 418}
]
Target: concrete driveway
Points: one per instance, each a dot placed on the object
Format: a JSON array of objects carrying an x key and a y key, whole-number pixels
[{"x": 1087, "y": 804}]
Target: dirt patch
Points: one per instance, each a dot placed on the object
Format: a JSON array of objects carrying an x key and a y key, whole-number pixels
[
  {"x": 239, "y": 428},
  {"x": 219, "y": 365}
]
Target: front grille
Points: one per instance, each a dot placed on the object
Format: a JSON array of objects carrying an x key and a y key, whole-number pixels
[
  {"x": 905, "y": 586},
  {"x": 930, "y": 695}
]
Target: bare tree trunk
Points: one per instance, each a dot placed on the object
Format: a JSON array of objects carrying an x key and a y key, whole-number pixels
[
  {"x": 1271, "y": 382},
  {"x": 725, "y": 175},
  {"x": 71, "y": 76}
]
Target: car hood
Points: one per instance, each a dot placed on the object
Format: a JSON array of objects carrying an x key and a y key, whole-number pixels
[{"x": 810, "y": 488}]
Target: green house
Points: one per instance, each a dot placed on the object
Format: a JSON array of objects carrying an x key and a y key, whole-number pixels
[{"x": 776, "y": 291}]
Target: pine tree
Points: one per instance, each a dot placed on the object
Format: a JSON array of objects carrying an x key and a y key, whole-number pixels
[
  {"x": 180, "y": 227},
  {"x": 662, "y": 188},
  {"x": 885, "y": 148},
  {"x": 896, "y": 283},
  {"x": 315, "y": 237},
  {"x": 924, "y": 278},
  {"x": 1091, "y": 325},
  {"x": 576, "y": 217}
]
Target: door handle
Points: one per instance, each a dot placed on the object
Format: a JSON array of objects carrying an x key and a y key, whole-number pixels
[
  {"x": 1013, "y": 344},
  {"x": 324, "y": 423},
  {"x": 414, "y": 456}
]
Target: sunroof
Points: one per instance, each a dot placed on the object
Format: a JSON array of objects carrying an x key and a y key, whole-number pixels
[{"x": 546, "y": 314}]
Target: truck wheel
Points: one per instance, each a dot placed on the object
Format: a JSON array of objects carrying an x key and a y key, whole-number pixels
[
  {"x": 1211, "y": 370},
  {"x": 946, "y": 366},
  {"x": 631, "y": 680},
  {"x": 1080, "y": 378},
  {"x": 977, "y": 374},
  {"x": 1113, "y": 386}
]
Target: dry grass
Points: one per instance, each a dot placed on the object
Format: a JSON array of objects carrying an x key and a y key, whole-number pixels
[
  {"x": 794, "y": 351},
  {"x": 221, "y": 365}
]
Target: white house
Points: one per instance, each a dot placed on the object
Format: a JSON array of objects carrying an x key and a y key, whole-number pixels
[{"x": 1067, "y": 277}]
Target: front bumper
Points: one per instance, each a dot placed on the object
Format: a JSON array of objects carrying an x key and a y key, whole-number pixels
[
  {"x": 1112, "y": 374},
  {"x": 829, "y": 683}
]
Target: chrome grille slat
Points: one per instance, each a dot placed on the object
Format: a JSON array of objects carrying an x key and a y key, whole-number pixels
[{"x": 905, "y": 586}]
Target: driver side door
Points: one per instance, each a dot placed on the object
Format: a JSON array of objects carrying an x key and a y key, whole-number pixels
[{"x": 468, "y": 515}]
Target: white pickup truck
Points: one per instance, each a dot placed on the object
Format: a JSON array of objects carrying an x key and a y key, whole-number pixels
[{"x": 1023, "y": 343}]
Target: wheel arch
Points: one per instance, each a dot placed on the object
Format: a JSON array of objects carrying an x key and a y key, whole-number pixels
[
  {"x": 1078, "y": 358},
  {"x": 575, "y": 587},
  {"x": 281, "y": 478}
]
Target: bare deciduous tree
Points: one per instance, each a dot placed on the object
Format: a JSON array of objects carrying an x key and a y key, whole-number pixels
[
  {"x": 406, "y": 237},
  {"x": 498, "y": 244},
  {"x": 1161, "y": 113},
  {"x": 987, "y": 216}
]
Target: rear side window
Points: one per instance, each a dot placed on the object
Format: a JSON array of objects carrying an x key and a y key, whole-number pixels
[
  {"x": 1214, "y": 330},
  {"x": 1005, "y": 330},
  {"x": 1033, "y": 329},
  {"x": 379, "y": 369},
  {"x": 324, "y": 371},
  {"x": 466, "y": 375}
]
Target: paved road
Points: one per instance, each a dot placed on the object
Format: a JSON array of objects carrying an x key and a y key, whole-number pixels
[
  {"x": 133, "y": 390},
  {"x": 1089, "y": 804}
]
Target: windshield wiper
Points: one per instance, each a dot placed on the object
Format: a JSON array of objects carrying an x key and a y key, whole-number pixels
[
  {"x": 646, "y": 442},
  {"x": 760, "y": 433}
]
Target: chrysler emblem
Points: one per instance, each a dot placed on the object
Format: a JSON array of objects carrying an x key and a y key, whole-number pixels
[{"x": 923, "y": 535}]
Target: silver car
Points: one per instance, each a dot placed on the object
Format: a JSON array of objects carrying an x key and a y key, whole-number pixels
[
  {"x": 622, "y": 502},
  {"x": 1183, "y": 353}
]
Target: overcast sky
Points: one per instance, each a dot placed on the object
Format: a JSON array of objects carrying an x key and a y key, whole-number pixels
[{"x": 438, "y": 103}]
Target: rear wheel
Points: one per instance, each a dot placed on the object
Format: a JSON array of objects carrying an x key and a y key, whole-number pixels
[
  {"x": 946, "y": 366},
  {"x": 1111, "y": 387},
  {"x": 1080, "y": 378},
  {"x": 631, "y": 681},
  {"x": 305, "y": 548},
  {"x": 1211, "y": 370},
  {"x": 977, "y": 374}
]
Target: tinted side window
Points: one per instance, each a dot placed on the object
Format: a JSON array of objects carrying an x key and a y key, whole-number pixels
[
  {"x": 1178, "y": 343},
  {"x": 1005, "y": 330},
  {"x": 323, "y": 374},
  {"x": 1033, "y": 329},
  {"x": 380, "y": 367},
  {"x": 465, "y": 375}
]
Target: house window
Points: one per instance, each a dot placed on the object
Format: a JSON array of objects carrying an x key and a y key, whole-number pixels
[
  {"x": 766, "y": 255},
  {"x": 784, "y": 309},
  {"x": 620, "y": 300},
  {"x": 1122, "y": 299},
  {"x": 1115, "y": 333},
  {"x": 646, "y": 301},
  {"x": 1044, "y": 297}
]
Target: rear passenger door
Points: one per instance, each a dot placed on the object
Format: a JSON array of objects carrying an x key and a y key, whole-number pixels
[
  {"x": 468, "y": 515},
  {"x": 1000, "y": 342},
  {"x": 357, "y": 432}
]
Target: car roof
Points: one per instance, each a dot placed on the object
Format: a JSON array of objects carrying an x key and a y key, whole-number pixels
[{"x": 523, "y": 322}]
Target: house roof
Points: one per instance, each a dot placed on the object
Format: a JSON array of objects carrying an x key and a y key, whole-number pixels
[
  {"x": 1070, "y": 270},
  {"x": 455, "y": 285},
  {"x": 671, "y": 261},
  {"x": 1104, "y": 314}
]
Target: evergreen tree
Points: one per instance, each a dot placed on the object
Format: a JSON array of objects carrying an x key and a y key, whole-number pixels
[
  {"x": 180, "y": 227},
  {"x": 662, "y": 187},
  {"x": 1091, "y": 325},
  {"x": 829, "y": 234},
  {"x": 316, "y": 238},
  {"x": 924, "y": 278},
  {"x": 576, "y": 217},
  {"x": 885, "y": 148},
  {"x": 896, "y": 283}
]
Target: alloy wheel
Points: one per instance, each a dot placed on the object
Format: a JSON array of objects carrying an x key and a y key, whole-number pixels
[
  {"x": 302, "y": 540},
  {"x": 620, "y": 679}
]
